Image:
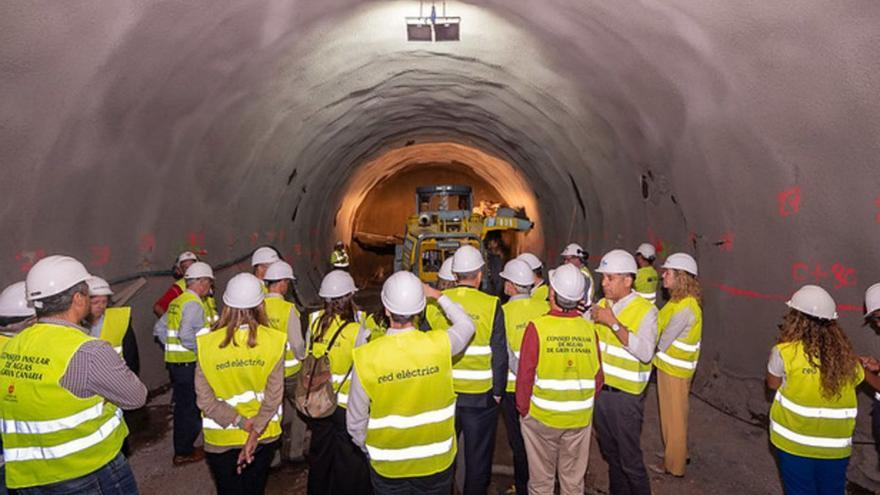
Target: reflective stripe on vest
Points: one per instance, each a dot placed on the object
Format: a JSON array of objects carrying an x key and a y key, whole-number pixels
[
  {"x": 278, "y": 311},
  {"x": 238, "y": 375},
  {"x": 49, "y": 434},
  {"x": 680, "y": 359},
  {"x": 175, "y": 352},
  {"x": 802, "y": 421},
  {"x": 340, "y": 355},
  {"x": 624, "y": 371},
  {"x": 115, "y": 325},
  {"x": 517, "y": 315},
  {"x": 408, "y": 379},
  {"x": 568, "y": 362},
  {"x": 472, "y": 369}
]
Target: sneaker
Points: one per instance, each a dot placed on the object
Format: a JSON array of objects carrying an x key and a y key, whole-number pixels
[{"x": 197, "y": 455}]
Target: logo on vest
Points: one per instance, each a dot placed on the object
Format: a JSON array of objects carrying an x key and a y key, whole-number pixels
[{"x": 405, "y": 374}]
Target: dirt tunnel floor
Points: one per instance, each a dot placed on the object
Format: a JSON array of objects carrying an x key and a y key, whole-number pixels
[{"x": 727, "y": 457}]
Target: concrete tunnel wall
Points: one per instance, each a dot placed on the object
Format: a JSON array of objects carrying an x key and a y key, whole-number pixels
[{"x": 131, "y": 130}]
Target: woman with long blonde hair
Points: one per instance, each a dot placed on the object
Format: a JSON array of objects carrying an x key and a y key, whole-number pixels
[
  {"x": 680, "y": 329},
  {"x": 815, "y": 373},
  {"x": 239, "y": 386}
]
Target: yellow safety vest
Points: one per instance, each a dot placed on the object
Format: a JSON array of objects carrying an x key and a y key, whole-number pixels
[
  {"x": 278, "y": 312},
  {"x": 408, "y": 378},
  {"x": 49, "y": 434},
  {"x": 565, "y": 378},
  {"x": 174, "y": 351},
  {"x": 680, "y": 359},
  {"x": 804, "y": 423},
  {"x": 472, "y": 369},
  {"x": 339, "y": 355},
  {"x": 435, "y": 316},
  {"x": 211, "y": 314},
  {"x": 541, "y": 293},
  {"x": 517, "y": 315},
  {"x": 115, "y": 325},
  {"x": 646, "y": 283},
  {"x": 623, "y": 370}
]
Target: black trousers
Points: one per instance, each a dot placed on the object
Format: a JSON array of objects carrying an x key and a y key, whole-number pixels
[
  {"x": 336, "y": 465},
  {"x": 618, "y": 422},
  {"x": 478, "y": 426},
  {"x": 251, "y": 481},
  {"x": 187, "y": 418},
  {"x": 515, "y": 440},
  {"x": 875, "y": 423},
  {"x": 435, "y": 484}
]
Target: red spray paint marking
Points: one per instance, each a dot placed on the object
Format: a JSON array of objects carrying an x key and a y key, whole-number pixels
[
  {"x": 726, "y": 241},
  {"x": 877, "y": 204},
  {"x": 28, "y": 258},
  {"x": 789, "y": 201},
  {"x": 844, "y": 276},
  {"x": 147, "y": 243},
  {"x": 100, "y": 255},
  {"x": 750, "y": 294},
  {"x": 195, "y": 240},
  {"x": 850, "y": 308},
  {"x": 298, "y": 249},
  {"x": 255, "y": 237}
]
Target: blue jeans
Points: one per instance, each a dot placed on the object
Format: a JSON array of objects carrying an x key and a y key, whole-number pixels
[
  {"x": 808, "y": 476},
  {"x": 115, "y": 478}
]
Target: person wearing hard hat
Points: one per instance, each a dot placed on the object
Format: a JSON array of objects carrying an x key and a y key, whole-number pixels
[
  {"x": 647, "y": 279},
  {"x": 71, "y": 379},
  {"x": 15, "y": 313},
  {"x": 262, "y": 257},
  {"x": 519, "y": 310},
  {"x": 339, "y": 258},
  {"x": 112, "y": 324},
  {"x": 177, "y": 330},
  {"x": 239, "y": 381},
  {"x": 284, "y": 317},
  {"x": 184, "y": 260},
  {"x": 336, "y": 466},
  {"x": 401, "y": 408},
  {"x": 574, "y": 254},
  {"x": 540, "y": 289},
  {"x": 872, "y": 321},
  {"x": 680, "y": 327},
  {"x": 627, "y": 328},
  {"x": 814, "y": 372},
  {"x": 559, "y": 372},
  {"x": 480, "y": 371}
]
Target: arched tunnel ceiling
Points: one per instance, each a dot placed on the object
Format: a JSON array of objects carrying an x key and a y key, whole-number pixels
[{"x": 129, "y": 130}]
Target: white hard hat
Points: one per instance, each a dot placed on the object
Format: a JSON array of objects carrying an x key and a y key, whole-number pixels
[
  {"x": 403, "y": 294},
  {"x": 280, "y": 270},
  {"x": 13, "y": 302},
  {"x": 572, "y": 249},
  {"x": 199, "y": 269},
  {"x": 335, "y": 284},
  {"x": 646, "y": 250},
  {"x": 872, "y": 299},
  {"x": 814, "y": 301},
  {"x": 681, "y": 261},
  {"x": 467, "y": 259},
  {"x": 617, "y": 261},
  {"x": 187, "y": 256},
  {"x": 568, "y": 282},
  {"x": 445, "y": 272},
  {"x": 98, "y": 287},
  {"x": 54, "y": 275},
  {"x": 533, "y": 261},
  {"x": 518, "y": 272},
  {"x": 264, "y": 255},
  {"x": 244, "y": 291}
]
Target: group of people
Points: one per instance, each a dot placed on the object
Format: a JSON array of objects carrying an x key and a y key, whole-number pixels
[{"x": 557, "y": 357}]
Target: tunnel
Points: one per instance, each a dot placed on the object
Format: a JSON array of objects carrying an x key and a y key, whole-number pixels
[{"x": 744, "y": 133}]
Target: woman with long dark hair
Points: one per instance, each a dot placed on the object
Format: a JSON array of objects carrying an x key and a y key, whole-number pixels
[{"x": 240, "y": 385}]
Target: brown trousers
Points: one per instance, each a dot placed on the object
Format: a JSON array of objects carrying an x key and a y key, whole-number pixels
[
  {"x": 551, "y": 450},
  {"x": 672, "y": 394}
]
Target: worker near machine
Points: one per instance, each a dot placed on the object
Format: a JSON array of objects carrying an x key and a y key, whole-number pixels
[
  {"x": 559, "y": 370},
  {"x": 574, "y": 254},
  {"x": 285, "y": 317},
  {"x": 815, "y": 373},
  {"x": 177, "y": 330},
  {"x": 74, "y": 380},
  {"x": 336, "y": 465},
  {"x": 519, "y": 311},
  {"x": 680, "y": 326},
  {"x": 872, "y": 321},
  {"x": 647, "y": 279},
  {"x": 339, "y": 258},
  {"x": 239, "y": 380},
  {"x": 184, "y": 260},
  {"x": 262, "y": 257},
  {"x": 540, "y": 289},
  {"x": 401, "y": 410},
  {"x": 494, "y": 264},
  {"x": 112, "y": 324},
  {"x": 480, "y": 372},
  {"x": 627, "y": 329}
]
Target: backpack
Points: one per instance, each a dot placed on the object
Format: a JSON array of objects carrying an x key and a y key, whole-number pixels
[{"x": 313, "y": 392}]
